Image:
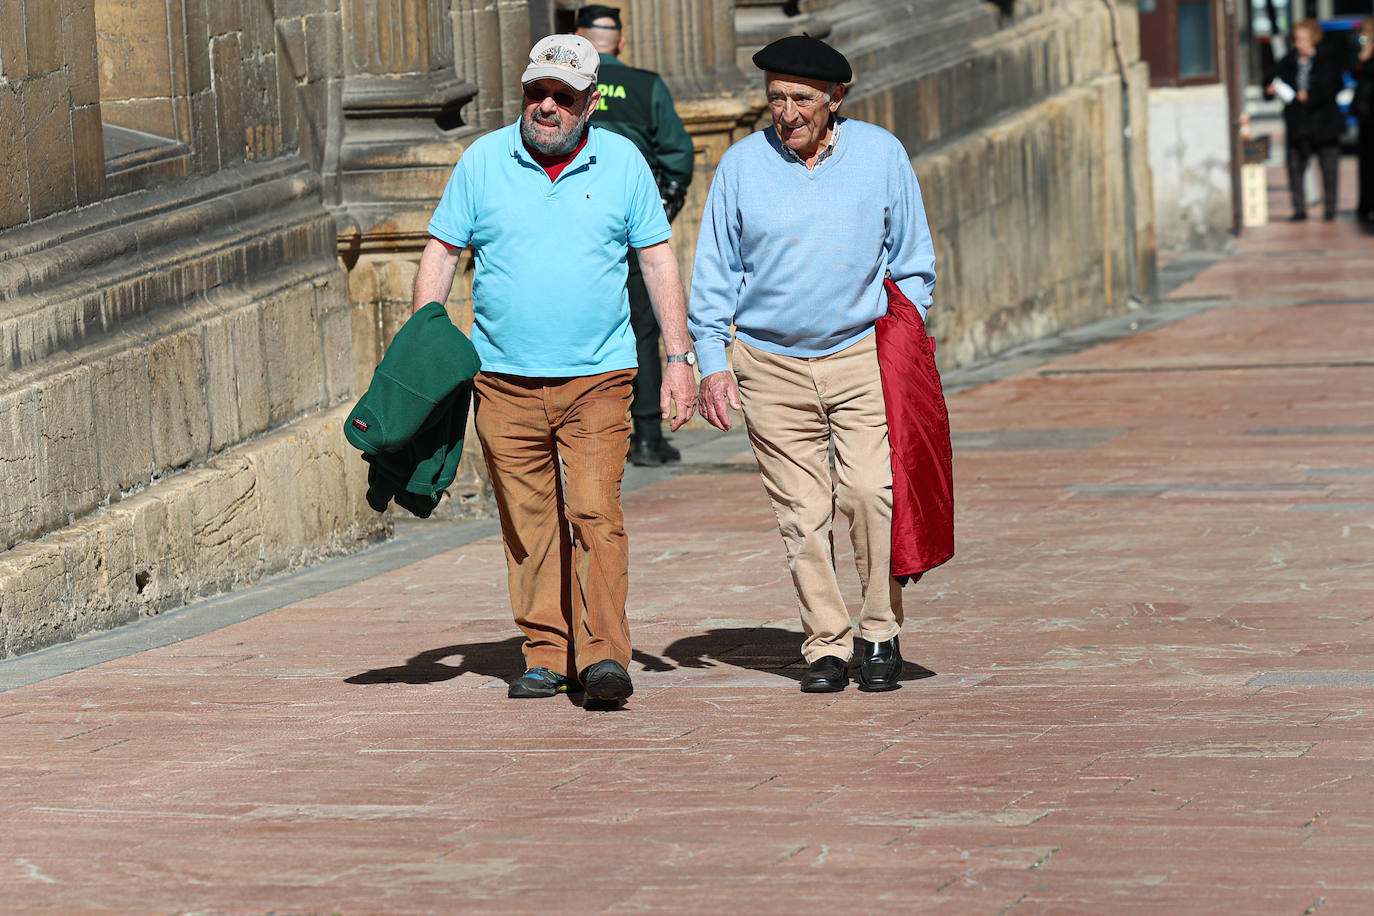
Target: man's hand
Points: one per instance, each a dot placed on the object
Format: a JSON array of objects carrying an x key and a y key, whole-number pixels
[
  {"x": 718, "y": 392},
  {"x": 680, "y": 387}
]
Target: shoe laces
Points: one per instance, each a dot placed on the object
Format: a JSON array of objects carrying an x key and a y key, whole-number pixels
[{"x": 543, "y": 674}]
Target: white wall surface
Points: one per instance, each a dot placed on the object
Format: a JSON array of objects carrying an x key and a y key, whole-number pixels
[{"x": 1190, "y": 159}]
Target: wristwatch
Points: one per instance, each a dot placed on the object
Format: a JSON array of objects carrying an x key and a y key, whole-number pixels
[{"x": 690, "y": 358}]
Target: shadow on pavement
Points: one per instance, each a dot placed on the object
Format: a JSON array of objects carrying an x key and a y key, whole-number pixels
[
  {"x": 772, "y": 650},
  {"x": 499, "y": 658},
  {"x": 489, "y": 659}
]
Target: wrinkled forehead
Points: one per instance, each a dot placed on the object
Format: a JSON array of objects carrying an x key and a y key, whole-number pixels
[{"x": 793, "y": 85}]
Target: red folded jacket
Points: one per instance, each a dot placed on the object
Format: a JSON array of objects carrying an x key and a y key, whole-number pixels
[{"x": 918, "y": 432}]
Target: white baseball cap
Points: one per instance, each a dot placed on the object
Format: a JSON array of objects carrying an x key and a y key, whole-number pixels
[{"x": 568, "y": 58}]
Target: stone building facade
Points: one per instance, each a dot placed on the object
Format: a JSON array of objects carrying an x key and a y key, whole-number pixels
[{"x": 211, "y": 212}]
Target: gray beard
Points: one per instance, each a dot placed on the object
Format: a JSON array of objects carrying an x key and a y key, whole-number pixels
[{"x": 560, "y": 145}]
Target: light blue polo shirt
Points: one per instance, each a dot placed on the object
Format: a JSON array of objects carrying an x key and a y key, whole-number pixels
[{"x": 548, "y": 286}]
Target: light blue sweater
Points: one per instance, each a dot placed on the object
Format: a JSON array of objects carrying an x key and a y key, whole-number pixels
[{"x": 795, "y": 258}]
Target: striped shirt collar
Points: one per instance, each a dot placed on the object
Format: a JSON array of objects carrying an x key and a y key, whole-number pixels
[{"x": 823, "y": 154}]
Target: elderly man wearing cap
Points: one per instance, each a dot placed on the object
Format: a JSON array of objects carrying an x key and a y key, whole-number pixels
[
  {"x": 803, "y": 222},
  {"x": 551, "y": 208}
]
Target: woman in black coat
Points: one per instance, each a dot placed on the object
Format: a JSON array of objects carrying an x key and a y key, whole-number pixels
[
  {"x": 1312, "y": 119},
  {"x": 1363, "y": 108}
]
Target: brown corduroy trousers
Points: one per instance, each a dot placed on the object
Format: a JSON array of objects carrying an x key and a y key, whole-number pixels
[{"x": 555, "y": 450}]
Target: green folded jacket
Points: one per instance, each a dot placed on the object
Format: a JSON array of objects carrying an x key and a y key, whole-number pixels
[{"x": 410, "y": 423}]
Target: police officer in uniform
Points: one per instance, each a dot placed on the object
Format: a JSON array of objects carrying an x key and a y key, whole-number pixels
[{"x": 636, "y": 104}]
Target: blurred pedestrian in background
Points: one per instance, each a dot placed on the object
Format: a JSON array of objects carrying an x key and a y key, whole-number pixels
[
  {"x": 1307, "y": 81},
  {"x": 1363, "y": 109}
]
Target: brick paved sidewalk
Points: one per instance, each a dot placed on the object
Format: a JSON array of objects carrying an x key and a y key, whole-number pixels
[{"x": 1152, "y": 671}]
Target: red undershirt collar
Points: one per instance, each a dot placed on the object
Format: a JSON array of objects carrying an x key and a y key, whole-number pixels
[{"x": 554, "y": 165}]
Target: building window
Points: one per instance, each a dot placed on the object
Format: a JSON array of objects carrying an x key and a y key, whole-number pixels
[
  {"x": 1178, "y": 39},
  {"x": 1196, "y": 45}
]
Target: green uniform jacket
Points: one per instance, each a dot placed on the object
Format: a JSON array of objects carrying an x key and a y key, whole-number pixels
[
  {"x": 636, "y": 104},
  {"x": 410, "y": 422}
]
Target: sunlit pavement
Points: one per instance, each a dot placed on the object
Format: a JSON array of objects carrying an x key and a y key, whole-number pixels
[{"x": 1145, "y": 683}]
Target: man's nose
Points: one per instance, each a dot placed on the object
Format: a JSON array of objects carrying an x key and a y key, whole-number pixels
[{"x": 548, "y": 105}]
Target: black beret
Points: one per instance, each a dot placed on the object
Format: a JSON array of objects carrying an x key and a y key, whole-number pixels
[
  {"x": 589, "y": 14},
  {"x": 804, "y": 56}
]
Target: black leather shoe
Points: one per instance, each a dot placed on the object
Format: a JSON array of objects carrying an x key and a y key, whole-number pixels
[
  {"x": 880, "y": 665},
  {"x": 650, "y": 453},
  {"x": 606, "y": 682},
  {"x": 826, "y": 674}
]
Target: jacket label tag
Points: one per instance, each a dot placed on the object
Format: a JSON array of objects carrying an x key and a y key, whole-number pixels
[{"x": 359, "y": 424}]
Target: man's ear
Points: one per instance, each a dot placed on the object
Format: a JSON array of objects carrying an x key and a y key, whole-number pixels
[
  {"x": 620, "y": 44},
  {"x": 593, "y": 102},
  {"x": 836, "y": 97}
]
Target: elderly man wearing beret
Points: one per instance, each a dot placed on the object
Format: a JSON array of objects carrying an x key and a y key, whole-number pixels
[{"x": 803, "y": 222}]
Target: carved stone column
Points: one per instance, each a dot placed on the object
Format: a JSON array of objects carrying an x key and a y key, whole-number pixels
[
  {"x": 402, "y": 104},
  {"x": 690, "y": 42}
]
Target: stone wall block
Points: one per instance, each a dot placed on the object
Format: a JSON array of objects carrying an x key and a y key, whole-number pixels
[
  {"x": 314, "y": 103},
  {"x": 198, "y": 73},
  {"x": 260, "y": 104},
  {"x": 48, "y": 131},
  {"x": 258, "y": 25},
  {"x": 78, "y": 51},
  {"x": 43, "y": 35},
  {"x": 135, "y": 50},
  {"x": 336, "y": 338},
  {"x": 123, "y": 431},
  {"x": 226, "y": 528},
  {"x": 205, "y": 130},
  {"x": 295, "y": 9},
  {"x": 88, "y": 152},
  {"x": 221, "y": 383},
  {"x": 32, "y": 580},
  {"x": 226, "y": 64},
  {"x": 68, "y": 478},
  {"x": 224, "y": 17},
  {"x": 165, "y": 571},
  {"x": 324, "y": 47},
  {"x": 292, "y": 344},
  {"x": 119, "y": 569},
  {"x": 291, "y": 47},
  {"x": 367, "y": 342},
  {"x": 250, "y": 369},
  {"x": 20, "y": 494},
  {"x": 180, "y": 416},
  {"x": 302, "y": 492},
  {"x": 14, "y": 178},
  {"x": 14, "y": 55},
  {"x": 287, "y": 105}
]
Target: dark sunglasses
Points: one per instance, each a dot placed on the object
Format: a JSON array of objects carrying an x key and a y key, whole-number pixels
[{"x": 560, "y": 97}]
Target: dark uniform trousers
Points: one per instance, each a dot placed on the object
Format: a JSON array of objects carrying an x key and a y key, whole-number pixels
[{"x": 645, "y": 407}]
